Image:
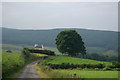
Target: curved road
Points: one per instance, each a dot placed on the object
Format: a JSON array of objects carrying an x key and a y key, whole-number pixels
[{"x": 29, "y": 71}]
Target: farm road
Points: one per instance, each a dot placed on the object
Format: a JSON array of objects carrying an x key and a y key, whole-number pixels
[{"x": 29, "y": 71}]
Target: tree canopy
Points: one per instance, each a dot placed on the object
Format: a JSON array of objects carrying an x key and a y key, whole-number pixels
[{"x": 70, "y": 42}]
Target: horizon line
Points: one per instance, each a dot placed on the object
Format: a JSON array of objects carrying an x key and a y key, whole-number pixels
[{"x": 62, "y": 28}]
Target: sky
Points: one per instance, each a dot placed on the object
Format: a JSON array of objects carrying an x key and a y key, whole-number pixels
[
  {"x": 0, "y": 14},
  {"x": 60, "y": 0},
  {"x": 49, "y": 15}
]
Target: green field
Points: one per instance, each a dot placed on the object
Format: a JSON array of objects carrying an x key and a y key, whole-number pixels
[
  {"x": 13, "y": 48},
  {"x": 80, "y": 72},
  {"x": 55, "y": 50},
  {"x": 89, "y": 74},
  {"x": 72, "y": 60},
  {"x": 11, "y": 62}
]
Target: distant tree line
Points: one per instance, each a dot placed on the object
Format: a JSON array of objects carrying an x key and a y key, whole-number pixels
[{"x": 99, "y": 57}]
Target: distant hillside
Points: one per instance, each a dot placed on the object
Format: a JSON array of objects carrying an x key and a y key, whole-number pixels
[{"x": 102, "y": 40}]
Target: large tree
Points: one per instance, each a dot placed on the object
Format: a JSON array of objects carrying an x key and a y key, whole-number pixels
[{"x": 70, "y": 42}]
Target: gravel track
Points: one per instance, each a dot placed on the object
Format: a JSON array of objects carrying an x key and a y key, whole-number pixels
[{"x": 29, "y": 71}]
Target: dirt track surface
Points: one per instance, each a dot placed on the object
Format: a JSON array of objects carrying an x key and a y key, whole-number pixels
[{"x": 29, "y": 71}]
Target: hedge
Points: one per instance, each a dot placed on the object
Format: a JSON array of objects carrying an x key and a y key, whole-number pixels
[
  {"x": 47, "y": 52},
  {"x": 68, "y": 65}
]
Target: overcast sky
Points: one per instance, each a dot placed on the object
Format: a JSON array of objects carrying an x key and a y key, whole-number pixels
[{"x": 41, "y": 15}]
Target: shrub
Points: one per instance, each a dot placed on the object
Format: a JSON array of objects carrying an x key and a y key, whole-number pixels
[
  {"x": 115, "y": 65},
  {"x": 100, "y": 66},
  {"x": 26, "y": 53}
]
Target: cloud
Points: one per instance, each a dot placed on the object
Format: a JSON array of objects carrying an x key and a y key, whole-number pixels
[
  {"x": 60, "y": 15},
  {"x": 60, "y": 0}
]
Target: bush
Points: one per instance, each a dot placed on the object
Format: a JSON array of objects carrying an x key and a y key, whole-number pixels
[
  {"x": 115, "y": 65},
  {"x": 26, "y": 53},
  {"x": 100, "y": 66}
]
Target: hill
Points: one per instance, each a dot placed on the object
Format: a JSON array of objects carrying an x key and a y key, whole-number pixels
[{"x": 95, "y": 40}]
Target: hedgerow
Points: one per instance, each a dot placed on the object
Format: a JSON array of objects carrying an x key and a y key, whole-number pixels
[{"x": 48, "y": 52}]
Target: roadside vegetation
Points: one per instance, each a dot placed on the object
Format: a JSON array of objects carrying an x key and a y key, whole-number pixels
[{"x": 11, "y": 63}]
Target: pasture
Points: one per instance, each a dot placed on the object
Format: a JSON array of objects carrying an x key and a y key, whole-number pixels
[
  {"x": 55, "y": 50},
  {"x": 72, "y": 60},
  {"x": 13, "y": 48},
  {"x": 89, "y": 74}
]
